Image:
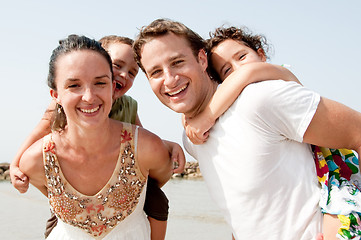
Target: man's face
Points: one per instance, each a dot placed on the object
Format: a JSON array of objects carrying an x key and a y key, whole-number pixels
[{"x": 176, "y": 76}]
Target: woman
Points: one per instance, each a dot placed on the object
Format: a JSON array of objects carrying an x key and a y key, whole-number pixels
[{"x": 94, "y": 172}]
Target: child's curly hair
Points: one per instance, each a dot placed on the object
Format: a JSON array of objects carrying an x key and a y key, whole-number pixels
[{"x": 242, "y": 35}]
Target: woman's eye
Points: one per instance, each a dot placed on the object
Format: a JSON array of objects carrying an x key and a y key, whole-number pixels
[
  {"x": 101, "y": 83},
  {"x": 73, "y": 86}
]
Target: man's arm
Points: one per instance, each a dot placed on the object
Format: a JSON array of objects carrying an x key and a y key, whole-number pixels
[{"x": 335, "y": 125}]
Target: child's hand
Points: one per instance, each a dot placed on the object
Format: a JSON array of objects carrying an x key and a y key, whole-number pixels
[
  {"x": 197, "y": 128},
  {"x": 19, "y": 180},
  {"x": 177, "y": 155},
  {"x": 319, "y": 236}
]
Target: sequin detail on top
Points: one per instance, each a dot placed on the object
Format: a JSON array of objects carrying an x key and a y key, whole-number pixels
[{"x": 97, "y": 214}]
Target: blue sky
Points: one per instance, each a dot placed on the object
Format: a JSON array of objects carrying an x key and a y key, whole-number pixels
[{"x": 319, "y": 39}]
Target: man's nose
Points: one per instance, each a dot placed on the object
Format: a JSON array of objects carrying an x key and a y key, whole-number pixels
[{"x": 170, "y": 77}]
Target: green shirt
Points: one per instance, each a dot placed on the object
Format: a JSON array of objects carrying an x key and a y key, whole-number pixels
[{"x": 124, "y": 109}]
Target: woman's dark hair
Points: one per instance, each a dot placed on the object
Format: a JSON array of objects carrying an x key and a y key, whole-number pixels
[
  {"x": 70, "y": 44},
  {"x": 242, "y": 35}
]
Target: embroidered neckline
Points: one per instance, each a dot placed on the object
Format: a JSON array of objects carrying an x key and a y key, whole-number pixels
[{"x": 99, "y": 213}]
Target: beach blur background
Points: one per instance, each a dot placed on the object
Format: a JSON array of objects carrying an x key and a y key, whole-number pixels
[
  {"x": 320, "y": 40},
  {"x": 192, "y": 216}
]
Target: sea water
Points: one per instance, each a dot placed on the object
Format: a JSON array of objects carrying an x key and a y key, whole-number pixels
[{"x": 192, "y": 214}]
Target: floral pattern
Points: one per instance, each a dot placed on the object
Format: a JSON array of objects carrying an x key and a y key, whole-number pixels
[
  {"x": 339, "y": 175},
  {"x": 97, "y": 214}
]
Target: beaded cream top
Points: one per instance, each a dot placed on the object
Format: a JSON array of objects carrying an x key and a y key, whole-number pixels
[{"x": 99, "y": 213}]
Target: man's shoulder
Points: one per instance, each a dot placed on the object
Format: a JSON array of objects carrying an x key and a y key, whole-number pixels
[
  {"x": 264, "y": 96},
  {"x": 266, "y": 90},
  {"x": 268, "y": 85},
  {"x": 260, "y": 91}
]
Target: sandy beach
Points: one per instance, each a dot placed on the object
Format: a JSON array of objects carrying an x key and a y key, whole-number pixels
[{"x": 192, "y": 214}]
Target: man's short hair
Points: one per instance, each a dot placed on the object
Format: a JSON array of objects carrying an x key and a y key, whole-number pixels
[{"x": 161, "y": 27}]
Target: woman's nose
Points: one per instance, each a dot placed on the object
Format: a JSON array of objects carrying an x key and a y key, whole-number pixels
[{"x": 88, "y": 95}]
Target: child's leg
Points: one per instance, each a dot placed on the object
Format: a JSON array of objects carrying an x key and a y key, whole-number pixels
[
  {"x": 156, "y": 207},
  {"x": 158, "y": 229},
  {"x": 50, "y": 224},
  {"x": 331, "y": 224}
]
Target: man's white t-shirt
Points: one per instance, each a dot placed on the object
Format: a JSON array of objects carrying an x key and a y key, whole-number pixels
[{"x": 256, "y": 167}]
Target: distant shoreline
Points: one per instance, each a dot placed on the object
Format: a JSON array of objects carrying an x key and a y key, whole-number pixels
[
  {"x": 4, "y": 171},
  {"x": 191, "y": 170}
]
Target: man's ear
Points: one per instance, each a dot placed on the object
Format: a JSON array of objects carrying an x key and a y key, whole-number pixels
[
  {"x": 54, "y": 95},
  {"x": 202, "y": 59},
  {"x": 262, "y": 54}
]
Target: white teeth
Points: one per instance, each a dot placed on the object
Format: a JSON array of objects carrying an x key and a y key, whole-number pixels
[
  {"x": 90, "y": 110},
  {"x": 176, "y": 92}
]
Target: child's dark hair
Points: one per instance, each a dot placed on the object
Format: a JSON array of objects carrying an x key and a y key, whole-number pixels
[
  {"x": 70, "y": 44},
  {"x": 242, "y": 35}
]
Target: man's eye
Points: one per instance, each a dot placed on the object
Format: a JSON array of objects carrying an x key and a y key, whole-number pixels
[
  {"x": 177, "y": 62},
  {"x": 155, "y": 73},
  {"x": 73, "y": 86}
]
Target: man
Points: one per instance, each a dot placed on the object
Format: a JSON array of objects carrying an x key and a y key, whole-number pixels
[{"x": 256, "y": 163}]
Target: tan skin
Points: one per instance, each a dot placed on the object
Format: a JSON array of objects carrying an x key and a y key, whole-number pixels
[
  {"x": 182, "y": 84},
  {"x": 125, "y": 70},
  {"x": 96, "y": 166},
  {"x": 82, "y": 86}
]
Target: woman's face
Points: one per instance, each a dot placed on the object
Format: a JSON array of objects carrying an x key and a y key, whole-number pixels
[
  {"x": 84, "y": 87},
  {"x": 230, "y": 55},
  {"x": 124, "y": 67}
]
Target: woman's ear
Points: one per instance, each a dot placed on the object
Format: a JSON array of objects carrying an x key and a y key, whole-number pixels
[
  {"x": 261, "y": 53},
  {"x": 54, "y": 95},
  {"x": 202, "y": 59}
]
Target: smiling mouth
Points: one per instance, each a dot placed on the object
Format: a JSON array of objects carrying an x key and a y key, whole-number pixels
[
  {"x": 171, "y": 94},
  {"x": 118, "y": 86},
  {"x": 90, "y": 110}
]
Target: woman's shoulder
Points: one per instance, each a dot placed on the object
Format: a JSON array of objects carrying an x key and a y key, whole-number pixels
[{"x": 31, "y": 162}]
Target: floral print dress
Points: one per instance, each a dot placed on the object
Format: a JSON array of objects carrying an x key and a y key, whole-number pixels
[{"x": 339, "y": 175}]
